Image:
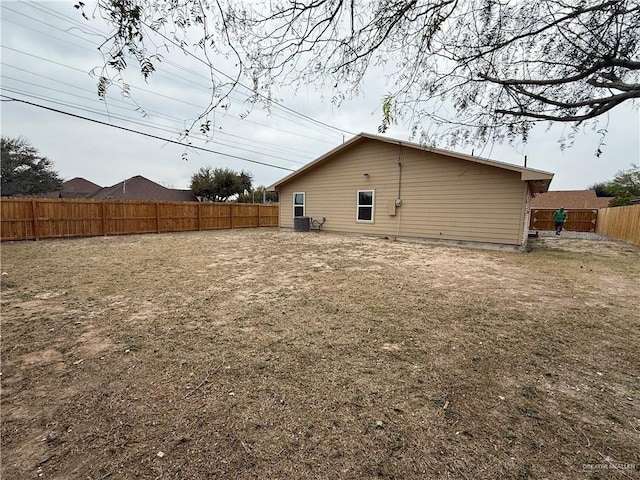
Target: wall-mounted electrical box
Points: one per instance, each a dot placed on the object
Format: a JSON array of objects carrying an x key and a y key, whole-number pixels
[
  {"x": 391, "y": 207},
  {"x": 398, "y": 202}
]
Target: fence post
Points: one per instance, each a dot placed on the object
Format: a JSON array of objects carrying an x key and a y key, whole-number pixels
[
  {"x": 104, "y": 218},
  {"x": 157, "y": 218},
  {"x": 34, "y": 210},
  {"x": 95, "y": 219}
]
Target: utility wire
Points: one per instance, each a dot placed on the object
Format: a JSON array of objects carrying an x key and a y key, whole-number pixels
[
  {"x": 135, "y": 121},
  {"x": 48, "y": 11},
  {"x": 147, "y": 124},
  {"x": 144, "y": 134},
  {"x": 160, "y": 74},
  {"x": 92, "y": 99},
  {"x": 271, "y": 101},
  {"x": 302, "y": 115},
  {"x": 154, "y": 93},
  {"x": 51, "y": 12},
  {"x": 126, "y": 106},
  {"x": 5, "y": 19}
]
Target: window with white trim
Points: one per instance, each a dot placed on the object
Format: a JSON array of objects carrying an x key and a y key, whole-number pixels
[
  {"x": 298, "y": 204},
  {"x": 365, "y": 206}
]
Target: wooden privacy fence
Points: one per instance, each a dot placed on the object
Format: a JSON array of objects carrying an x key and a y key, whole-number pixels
[
  {"x": 36, "y": 218},
  {"x": 622, "y": 223},
  {"x": 578, "y": 220}
]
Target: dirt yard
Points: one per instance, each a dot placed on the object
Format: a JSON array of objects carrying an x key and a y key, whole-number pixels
[{"x": 274, "y": 355}]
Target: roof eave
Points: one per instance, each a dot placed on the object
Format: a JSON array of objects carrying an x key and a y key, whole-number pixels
[
  {"x": 274, "y": 187},
  {"x": 540, "y": 185},
  {"x": 526, "y": 174}
]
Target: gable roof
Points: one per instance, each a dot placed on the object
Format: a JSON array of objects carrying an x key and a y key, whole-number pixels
[
  {"x": 538, "y": 179},
  {"x": 77, "y": 187},
  {"x": 570, "y": 199},
  {"x": 80, "y": 185},
  {"x": 141, "y": 188}
]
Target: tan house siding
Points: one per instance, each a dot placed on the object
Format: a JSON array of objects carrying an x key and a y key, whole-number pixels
[
  {"x": 442, "y": 197},
  {"x": 528, "y": 197}
]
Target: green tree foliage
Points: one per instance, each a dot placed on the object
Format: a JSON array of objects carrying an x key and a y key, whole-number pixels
[
  {"x": 24, "y": 171},
  {"x": 218, "y": 184},
  {"x": 624, "y": 187},
  {"x": 461, "y": 71},
  {"x": 602, "y": 189},
  {"x": 256, "y": 196}
]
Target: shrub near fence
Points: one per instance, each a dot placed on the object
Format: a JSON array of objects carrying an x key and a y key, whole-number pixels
[
  {"x": 622, "y": 223},
  {"x": 37, "y": 218}
]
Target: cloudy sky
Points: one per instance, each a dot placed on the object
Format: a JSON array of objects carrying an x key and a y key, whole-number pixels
[{"x": 49, "y": 52}]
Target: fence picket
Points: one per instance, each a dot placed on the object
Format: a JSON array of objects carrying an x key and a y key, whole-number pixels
[
  {"x": 36, "y": 218},
  {"x": 622, "y": 223},
  {"x": 578, "y": 220}
]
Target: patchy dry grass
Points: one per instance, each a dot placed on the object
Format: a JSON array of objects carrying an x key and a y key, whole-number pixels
[{"x": 266, "y": 354}]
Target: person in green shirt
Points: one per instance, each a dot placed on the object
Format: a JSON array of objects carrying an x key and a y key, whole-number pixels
[{"x": 560, "y": 217}]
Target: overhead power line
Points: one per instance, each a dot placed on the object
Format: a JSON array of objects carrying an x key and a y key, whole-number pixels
[
  {"x": 183, "y": 80},
  {"x": 220, "y": 72},
  {"x": 88, "y": 29},
  {"x": 271, "y": 101},
  {"x": 126, "y": 106},
  {"x": 158, "y": 94},
  {"x": 111, "y": 116},
  {"x": 168, "y": 140}
]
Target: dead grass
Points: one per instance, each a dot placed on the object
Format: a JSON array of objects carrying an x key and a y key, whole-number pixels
[{"x": 266, "y": 354}]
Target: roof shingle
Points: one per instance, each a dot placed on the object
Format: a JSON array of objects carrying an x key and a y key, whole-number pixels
[
  {"x": 570, "y": 199},
  {"x": 141, "y": 188}
]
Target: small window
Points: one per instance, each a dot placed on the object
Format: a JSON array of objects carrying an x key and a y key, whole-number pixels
[
  {"x": 298, "y": 204},
  {"x": 365, "y": 206}
]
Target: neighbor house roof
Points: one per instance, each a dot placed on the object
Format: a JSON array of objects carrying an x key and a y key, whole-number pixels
[
  {"x": 570, "y": 199},
  {"x": 77, "y": 187},
  {"x": 141, "y": 188},
  {"x": 538, "y": 179}
]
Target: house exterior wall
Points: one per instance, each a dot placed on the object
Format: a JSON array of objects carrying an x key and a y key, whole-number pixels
[
  {"x": 442, "y": 197},
  {"x": 528, "y": 199}
]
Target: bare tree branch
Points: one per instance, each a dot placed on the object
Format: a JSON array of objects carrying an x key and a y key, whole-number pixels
[{"x": 461, "y": 70}]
